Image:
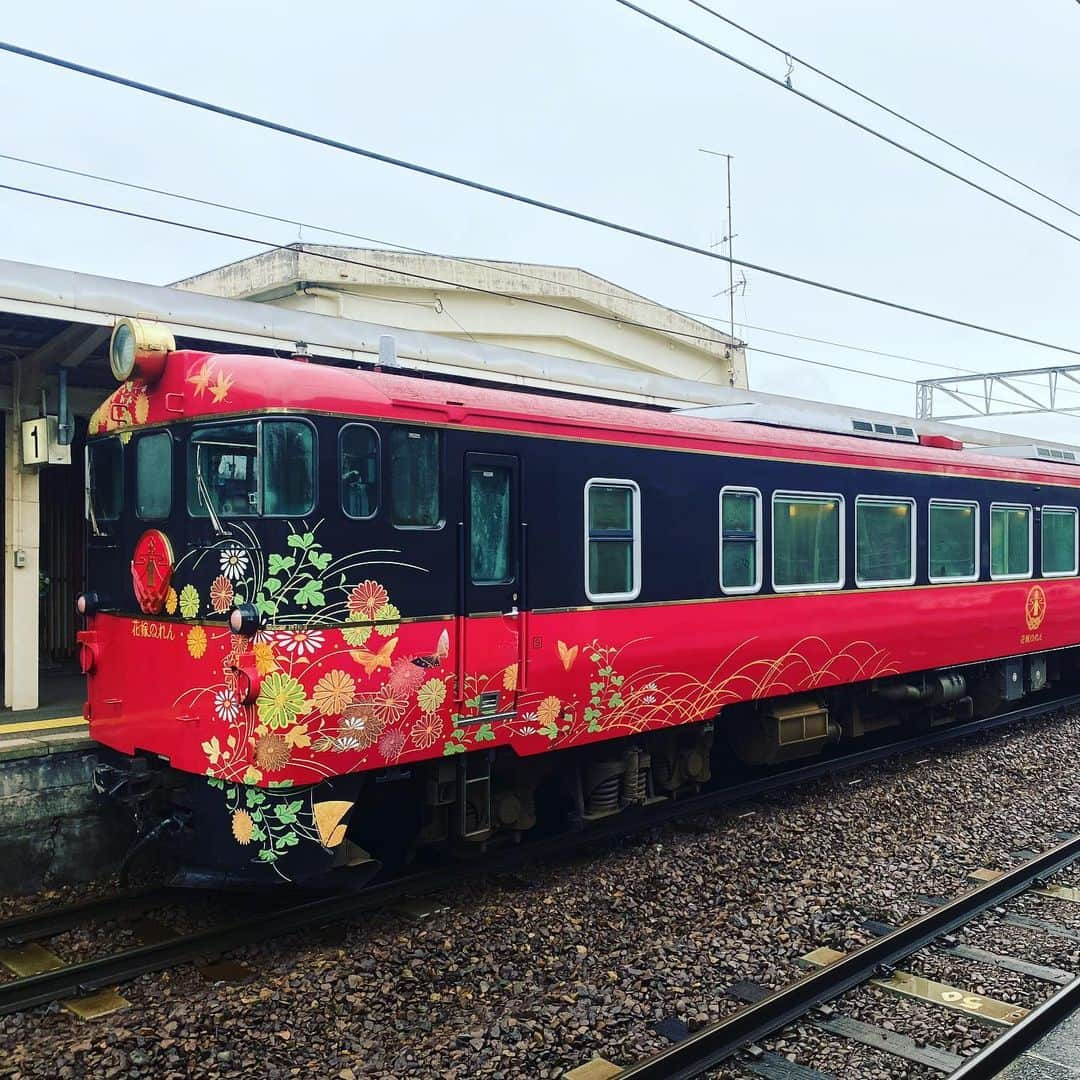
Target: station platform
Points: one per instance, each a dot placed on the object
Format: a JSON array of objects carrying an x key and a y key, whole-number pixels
[
  {"x": 56, "y": 725},
  {"x": 1056, "y": 1057}
]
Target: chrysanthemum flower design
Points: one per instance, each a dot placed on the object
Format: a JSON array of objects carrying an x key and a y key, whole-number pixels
[
  {"x": 172, "y": 601},
  {"x": 366, "y": 599},
  {"x": 405, "y": 676},
  {"x": 221, "y": 594},
  {"x": 431, "y": 695},
  {"x": 510, "y": 677},
  {"x": 196, "y": 642},
  {"x": 271, "y": 752},
  {"x": 356, "y": 631},
  {"x": 334, "y": 692},
  {"x": 281, "y": 700},
  {"x": 391, "y": 744},
  {"x": 264, "y": 658},
  {"x": 300, "y": 643},
  {"x": 226, "y": 706},
  {"x": 387, "y": 619},
  {"x": 360, "y": 722},
  {"x": 189, "y": 601},
  {"x": 548, "y": 710},
  {"x": 234, "y": 562},
  {"x": 242, "y": 827},
  {"x": 427, "y": 731},
  {"x": 389, "y": 704}
]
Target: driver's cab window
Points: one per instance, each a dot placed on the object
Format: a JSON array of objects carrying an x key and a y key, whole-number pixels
[
  {"x": 359, "y": 459},
  {"x": 223, "y": 468}
]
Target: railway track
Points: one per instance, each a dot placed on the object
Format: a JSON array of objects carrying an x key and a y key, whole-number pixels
[
  {"x": 807, "y": 1000},
  {"x": 68, "y": 981}
]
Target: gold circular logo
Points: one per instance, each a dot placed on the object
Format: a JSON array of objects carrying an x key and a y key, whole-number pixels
[{"x": 1035, "y": 607}]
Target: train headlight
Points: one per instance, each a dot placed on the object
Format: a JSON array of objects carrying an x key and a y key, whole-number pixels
[
  {"x": 139, "y": 348},
  {"x": 244, "y": 619},
  {"x": 86, "y": 603}
]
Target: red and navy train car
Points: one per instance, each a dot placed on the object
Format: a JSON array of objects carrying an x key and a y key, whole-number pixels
[{"x": 334, "y": 615}]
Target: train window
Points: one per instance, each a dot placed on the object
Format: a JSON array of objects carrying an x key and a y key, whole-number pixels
[
  {"x": 358, "y": 454},
  {"x": 740, "y": 540},
  {"x": 489, "y": 524},
  {"x": 250, "y": 468},
  {"x": 153, "y": 475},
  {"x": 1010, "y": 541},
  {"x": 808, "y": 541},
  {"x": 288, "y": 467},
  {"x": 223, "y": 470},
  {"x": 884, "y": 541},
  {"x": 612, "y": 540},
  {"x": 954, "y": 541},
  {"x": 1058, "y": 541},
  {"x": 414, "y": 478},
  {"x": 105, "y": 466}
]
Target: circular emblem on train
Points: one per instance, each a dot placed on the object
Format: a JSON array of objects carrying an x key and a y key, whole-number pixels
[
  {"x": 1035, "y": 607},
  {"x": 151, "y": 570}
]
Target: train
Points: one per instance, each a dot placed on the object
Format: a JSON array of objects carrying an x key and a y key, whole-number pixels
[{"x": 336, "y": 617}]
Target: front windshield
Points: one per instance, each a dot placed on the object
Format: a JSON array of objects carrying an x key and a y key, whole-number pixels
[{"x": 105, "y": 469}]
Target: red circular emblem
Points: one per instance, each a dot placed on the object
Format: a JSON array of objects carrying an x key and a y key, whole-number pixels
[{"x": 151, "y": 570}]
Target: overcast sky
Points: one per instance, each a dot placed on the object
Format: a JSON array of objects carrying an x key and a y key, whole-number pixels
[{"x": 584, "y": 103}]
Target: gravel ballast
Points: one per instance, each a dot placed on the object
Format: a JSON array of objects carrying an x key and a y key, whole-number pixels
[{"x": 532, "y": 975}]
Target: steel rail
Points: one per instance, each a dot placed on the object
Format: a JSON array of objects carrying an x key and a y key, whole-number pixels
[
  {"x": 51, "y": 921},
  {"x": 711, "y": 1045},
  {"x": 132, "y": 963},
  {"x": 1011, "y": 1043}
]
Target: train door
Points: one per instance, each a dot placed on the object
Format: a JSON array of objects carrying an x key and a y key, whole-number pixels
[{"x": 489, "y": 657}]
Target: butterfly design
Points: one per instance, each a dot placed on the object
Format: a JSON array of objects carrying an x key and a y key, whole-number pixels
[
  {"x": 568, "y": 654},
  {"x": 372, "y": 661},
  {"x": 438, "y": 656}
]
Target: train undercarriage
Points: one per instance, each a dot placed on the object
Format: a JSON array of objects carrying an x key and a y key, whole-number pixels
[{"x": 463, "y": 804}]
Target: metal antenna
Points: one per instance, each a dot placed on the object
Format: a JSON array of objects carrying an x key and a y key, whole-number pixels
[{"x": 729, "y": 240}]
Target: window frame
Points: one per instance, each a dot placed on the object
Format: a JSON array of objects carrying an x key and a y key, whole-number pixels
[
  {"x": 635, "y": 539},
  {"x": 140, "y": 438},
  {"x": 1076, "y": 541},
  {"x": 962, "y": 578},
  {"x": 759, "y": 540},
  {"x": 1031, "y": 541},
  {"x": 895, "y": 500},
  {"x": 96, "y": 441},
  {"x": 440, "y": 472},
  {"x": 258, "y": 421},
  {"x": 810, "y": 496},
  {"x": 378, "y": 471}
]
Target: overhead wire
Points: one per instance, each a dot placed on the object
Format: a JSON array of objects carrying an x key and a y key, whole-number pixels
[
  {"x": 527, "y": 200},
  {"x": 681, "y": 31},
  {"x": 788, "y": 54},
  {"x": 272, "y": 245},
  {"x": 517, "y": 272}
]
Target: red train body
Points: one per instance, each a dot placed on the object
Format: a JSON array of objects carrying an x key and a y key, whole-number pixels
[{"x": 403, "y": 679}]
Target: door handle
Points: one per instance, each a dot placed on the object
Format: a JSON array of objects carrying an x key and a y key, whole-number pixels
[{"x": 513, "y": 612}]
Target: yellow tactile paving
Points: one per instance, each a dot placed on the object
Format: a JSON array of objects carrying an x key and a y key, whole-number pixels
[{"x": 26, "y": 727}]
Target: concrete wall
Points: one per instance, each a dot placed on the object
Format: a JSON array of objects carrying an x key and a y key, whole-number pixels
[{"x": 53, "y": 829}]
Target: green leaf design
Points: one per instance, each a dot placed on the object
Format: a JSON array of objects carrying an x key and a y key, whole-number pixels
[
  {"x": 300, "y": 540},
  {"x": 280, "y": 783},
  {"x": 220, "y": 784},
  {"x": 253, "y": 796},
  {"x": 484, "y": 734},
  {"x": 551, "y": 730},
  {"x": 595, "y": 658},
  {"x": 320, "y": 562},
  {"x": 451, "y": 748},
  {"x": 472, "y": 703},
  {"x": 281, "y": 564},
  {"x": 257, "y": 834},
  {"x": 615, "y": 701},
  {"x": 605, "y": 671},
  {"x": 268, "y": 855},
  {"x": 595, "y": 687},
  {"x": 271, "y": 585},
  {"x": 286, "y": 812},
  {"x": 266, "y": 607},
  {"x": 617, "y": 680},
  {"x": 310, "y": 594},
  {"x": 593, "y": 727}
]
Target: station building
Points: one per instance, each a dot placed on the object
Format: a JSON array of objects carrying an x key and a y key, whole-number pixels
[{"x": 553, "y": 327}]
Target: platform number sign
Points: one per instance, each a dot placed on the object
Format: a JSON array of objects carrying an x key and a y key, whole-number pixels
[{"x": 41, "y": 444}]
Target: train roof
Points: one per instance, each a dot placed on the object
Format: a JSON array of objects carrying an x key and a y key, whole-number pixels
[{"x": 230, "y": 384}]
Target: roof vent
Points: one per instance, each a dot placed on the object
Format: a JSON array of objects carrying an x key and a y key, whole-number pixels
[
  {"x": 805, "y": 418},
  {"x": 1033, "y": 452}
]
